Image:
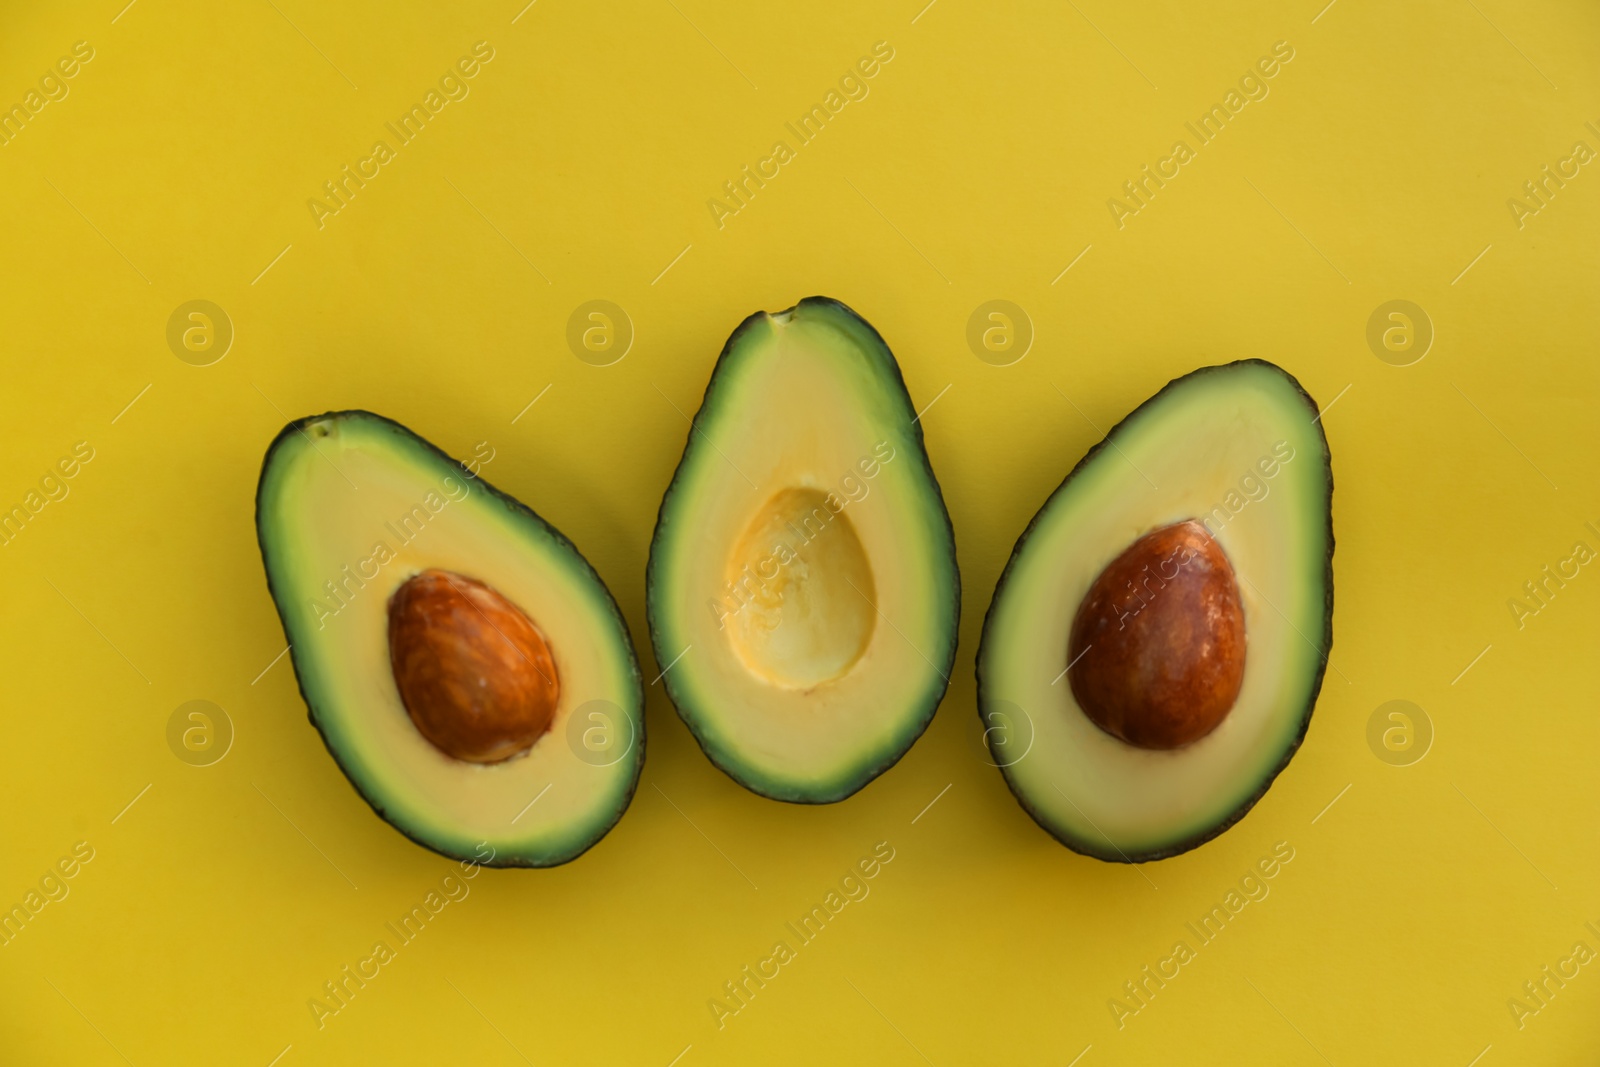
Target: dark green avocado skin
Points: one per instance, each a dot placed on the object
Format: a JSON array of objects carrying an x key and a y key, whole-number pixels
[
  {"x": 297, "y": 427},
  {"x": 1324, "y": 641},
  {"x": 945, "y": 656}
]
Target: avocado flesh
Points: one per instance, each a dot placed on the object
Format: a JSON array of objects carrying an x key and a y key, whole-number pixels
[
  {"x": 839, "y": 657},
  {"x": 1195, "y": 441},
  {"x": 336, "y": 487}
]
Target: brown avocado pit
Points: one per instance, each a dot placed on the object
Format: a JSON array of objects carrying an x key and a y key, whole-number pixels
[
  {"x": 474, "y": 672},
  {"x": 1157, "y": 648}
]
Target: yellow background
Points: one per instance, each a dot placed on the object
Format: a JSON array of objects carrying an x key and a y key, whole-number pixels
[{"x": 180, "y": 165}]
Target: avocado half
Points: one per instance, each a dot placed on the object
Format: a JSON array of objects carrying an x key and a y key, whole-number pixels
[
  {"x": 802, "y": 588},
  {"x": 1237, "y": 450},
  {"x": 353, "y": 508}
]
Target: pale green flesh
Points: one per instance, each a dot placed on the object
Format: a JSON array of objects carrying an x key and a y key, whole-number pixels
[
  {"x": 798, "y": 400},
  {"x": 329, "y": 496},
  {"x": 1177, "y": 458}
]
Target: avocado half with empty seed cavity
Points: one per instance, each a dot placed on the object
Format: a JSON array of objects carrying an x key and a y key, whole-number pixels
[
  {"x": 466, "y": 667},
  {"x": 1156, "y": 643},
  {"x": 802, "y": 589}
]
